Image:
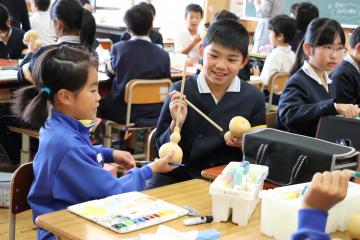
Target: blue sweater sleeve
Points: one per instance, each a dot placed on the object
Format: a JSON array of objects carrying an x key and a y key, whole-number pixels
[
  {"x": 107, "y": 153},
  {"x": 79, "y": 178},
  {"x": 313, "y": 229}
]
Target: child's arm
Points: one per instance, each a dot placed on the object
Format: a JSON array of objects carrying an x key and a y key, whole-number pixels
[
  {"x": 347, "y": 110},
  {"x": 325, "y": 190},
  {"x": 193, "y": 44}
]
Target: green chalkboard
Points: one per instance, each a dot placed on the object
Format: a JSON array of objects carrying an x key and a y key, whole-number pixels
[{"x": 347, "y": 12}]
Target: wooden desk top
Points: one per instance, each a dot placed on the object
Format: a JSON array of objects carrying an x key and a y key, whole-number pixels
[{"x": 194, "y": 193}]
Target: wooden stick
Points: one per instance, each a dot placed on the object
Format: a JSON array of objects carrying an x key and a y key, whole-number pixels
[
  {"x": 181, "y": 96},
  {"x": 204, "y": 116}
]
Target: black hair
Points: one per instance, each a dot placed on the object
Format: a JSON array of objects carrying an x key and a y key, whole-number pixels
[
  {"x": 294, "y": 8},
  {"x": 228, "y": 33},
  {"x": 355, "y": 37},
  {"x": 194, "y": 8},
  {"x": 42, "y": 5},
  {"x": 149, "y": 6},
  {"x": 57, "y": 68},
  {"x": 320, "y": 31},
  {"x": 224, "y": 15},
  {"x": 75, "y": 18},
  {"x": 139, "y": 20},
  {"x": 305, "y": 13},
  {"x": 4, "y": 17},
  {"x": 285, "y": 25}
]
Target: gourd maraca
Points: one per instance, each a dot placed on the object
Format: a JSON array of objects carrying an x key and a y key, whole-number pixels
[
  {"x": 172, "y": 145},
  {"x": 237, "y": 127},
  {"x": 354, "y": 226},
  {"x": 32, "y": 41}
]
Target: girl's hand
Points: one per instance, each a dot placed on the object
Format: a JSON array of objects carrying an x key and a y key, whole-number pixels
[
  {"x": 124, "y": 159},
  {"x": 161, "y": 165},
  {"x": 174, "y": 103},
  {"x": 235, "y": 142},
  {"x": 326, "y": 189},
  {"x": 347, "y": 110}
]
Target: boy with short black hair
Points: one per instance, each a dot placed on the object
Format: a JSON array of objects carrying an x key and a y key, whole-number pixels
[
  {"x": 221, "y": 95},
  {"x": 41, "y": 22},
  {"x": 137, "y": 58},
  {"x": 282, "y": 29},
  {"x": 187, "y": 41},
  {"x": 346, "y": 75}
]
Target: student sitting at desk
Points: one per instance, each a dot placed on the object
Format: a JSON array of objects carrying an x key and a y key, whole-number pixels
[
  {"x": 137, "y": 58},
  {"x": 309, "y": 94},
  {"x": 67, "y": 167},
  {"x": 325, "y": 191},
  {"x": 154, "y": 35},
  {"x": 19, "y": 13},
  {"x": 346, "y": 75},
  {"x": 11, "y": 38},
  {"x": 74, "y": 26},
  {"x": 221, "y": 95},
  {"x": 187, "y": 41}
]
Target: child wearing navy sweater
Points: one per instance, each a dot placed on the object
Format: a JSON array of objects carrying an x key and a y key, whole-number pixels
[
  {"x": 346, "y": 76},
  {"x": 309, "y": 93},
  {"x": 325, "y": 190},
  {"x": 67, "y": 168}
]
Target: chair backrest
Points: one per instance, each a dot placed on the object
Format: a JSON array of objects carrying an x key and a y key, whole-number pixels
[
  {"x": 270, "y": 119},
  {"x": 19, "y": 188},
  {"x": 150, "y": 149},
  {"x": 145, "y": 91},
  {"x": 276, "y": 85}
]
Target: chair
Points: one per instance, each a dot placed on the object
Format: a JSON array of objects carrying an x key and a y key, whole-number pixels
[
  {"x": 276, "y": 86},
  {"x": 270, "y": 119},
  {"x": 19, "y": 188},
  {"x": 105, "y": 43},
  {"x": 138, "y": 91},
  {"x": 150, "y": 149}
]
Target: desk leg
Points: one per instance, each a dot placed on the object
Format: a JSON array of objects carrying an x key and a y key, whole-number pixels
[{"x": 25, "y": 149}]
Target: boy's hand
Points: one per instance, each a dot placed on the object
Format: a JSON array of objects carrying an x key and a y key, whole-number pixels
[
  {"x": 174, "y": 103},
  {"x": 235, "y": 142},
  {"x": 161, "y": 165},
  {"x": 347, "y": 110},
  {"x": 326, "y": 190},
  {"x": 255, "y": 70},
  {"x": 124, "y": 159},
  {"x": 197, "y": 38}
]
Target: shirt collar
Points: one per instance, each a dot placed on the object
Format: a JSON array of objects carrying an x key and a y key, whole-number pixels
[
  {"x": 349, "y": 59},
  {"x": 9, "y": 35},
  {"x": 312, "y": 74},
  {"x": 80, "y": 126},
  {"x": 203, "y": 87},
  {"x": 69, "y": 39},
  {"x": 145, "y": 38}
]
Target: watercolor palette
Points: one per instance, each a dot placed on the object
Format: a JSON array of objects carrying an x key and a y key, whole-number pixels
[{"x": 128, "y": 211}]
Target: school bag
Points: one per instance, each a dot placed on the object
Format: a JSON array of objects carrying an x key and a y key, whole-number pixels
[{"x": 294, "y": 158}]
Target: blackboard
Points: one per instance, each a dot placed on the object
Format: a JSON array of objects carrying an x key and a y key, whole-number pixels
[{"x": 347, "y": 12}]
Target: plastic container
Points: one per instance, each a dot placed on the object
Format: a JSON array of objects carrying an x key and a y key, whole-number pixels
[
  {"x": 279, "y": 211},
  {"x": 238, "y": 200}
]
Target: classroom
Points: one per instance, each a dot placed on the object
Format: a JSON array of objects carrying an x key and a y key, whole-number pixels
[{"x": 191, "y": 119}]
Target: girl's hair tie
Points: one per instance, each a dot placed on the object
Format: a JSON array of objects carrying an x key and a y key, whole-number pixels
[{"x": 46, "y": 89}]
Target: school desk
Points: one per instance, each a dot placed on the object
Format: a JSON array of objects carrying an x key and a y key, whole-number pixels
[{"x": 194, "y": 193}]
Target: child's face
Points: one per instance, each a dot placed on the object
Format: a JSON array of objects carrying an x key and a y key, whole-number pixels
[
  {"x": 86, "y": 101},
  {"x": 326, "y": 57},
  {"x": 274, "y": 40},
  {"x": 221, "y": 65},
  {"x": 193, "y": 20}
]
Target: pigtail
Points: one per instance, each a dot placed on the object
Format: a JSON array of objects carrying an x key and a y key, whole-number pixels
[
  {"x": 300, "y": 58},
  {"x": 88, "y": 29}
]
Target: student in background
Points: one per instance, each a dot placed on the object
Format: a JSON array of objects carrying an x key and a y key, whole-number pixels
[
  {"x": 11, "y": 44},
  {"x": 244, "y": 73},
  {"x": 325, "y": 191},
  {"x": 154, "y": 35},
  {"x": 187, "y": 41},
  {"x": 282, "y": 29},
  {"x": 346, "y": 75},
  {"x": 73, "y": 26},
  {"x": 18, "y": 13},
  {"x": 137, "y": 58},
  {"x": 41, "y": 22},
  {"x": 293, "y": 10},
  {"x": 309, "y": 93},
  {"x": 221, "y": 95},
  {"x": 86, "y": 4},
  {"x": 265, "y": 10},
  {"x": 67, "y": 168},
  {"x": 305, "y": 12}
]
